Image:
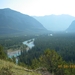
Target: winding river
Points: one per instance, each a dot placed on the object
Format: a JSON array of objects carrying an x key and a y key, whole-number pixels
[
  {"x": 29, "y": 44},
  {"x": 16, "y": 53}
]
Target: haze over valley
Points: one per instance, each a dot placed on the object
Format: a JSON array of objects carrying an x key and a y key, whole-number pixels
[
  {"x": 55, "y": 22},
  {"x": 37, "y": 37},
  {"x": 12, "y": 21}
]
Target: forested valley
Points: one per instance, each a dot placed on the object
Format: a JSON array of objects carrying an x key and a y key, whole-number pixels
[
  {"x": 55, "y": 53},
  {"x": 13, "y": 42}
]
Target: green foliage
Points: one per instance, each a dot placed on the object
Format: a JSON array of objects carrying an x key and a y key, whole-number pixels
[
  {"x": 35, "y": 63},
  {"x": 14, "y": 59},
  {"x": 6, "y": 71},
  {"x": 55, "y": 64},
  {"x": 38, "y": 56},
  {"x": 51, "y": 60},
  {"x": 61, "y": 43},
  {"x": 2, "y": 54},
  {"x": 14, "y": 42}
]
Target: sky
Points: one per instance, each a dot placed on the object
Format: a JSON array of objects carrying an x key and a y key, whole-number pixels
[{"x": 40, "y": 7}]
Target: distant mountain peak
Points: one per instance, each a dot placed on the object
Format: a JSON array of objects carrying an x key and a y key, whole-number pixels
[
  {"x": 55, "y": 22},
  {"x": 71, "y": 28},
  {"x": 8, "y": 8}
]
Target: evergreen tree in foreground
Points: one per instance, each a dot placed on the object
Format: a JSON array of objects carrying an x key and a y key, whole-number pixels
[
  {"x": 51, "y": 60},
  {"x": 2, "y": 53}
]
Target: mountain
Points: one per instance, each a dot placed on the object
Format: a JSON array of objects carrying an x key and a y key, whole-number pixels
[
  {"x": 71, "y": 28},
  {"x": 55, "y": 22},
  {"x": 12, "y": 21}
]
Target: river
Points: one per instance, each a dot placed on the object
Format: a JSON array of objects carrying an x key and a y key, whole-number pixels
[
  {"x": 16, "y": 53},
  {"x": 29, "y": 44}
]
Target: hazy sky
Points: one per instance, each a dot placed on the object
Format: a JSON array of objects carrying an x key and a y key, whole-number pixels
[{"x": 40, "y": 7}]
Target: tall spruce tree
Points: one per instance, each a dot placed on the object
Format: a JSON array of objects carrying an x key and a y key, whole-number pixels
[{"x": 2, "y": 53}]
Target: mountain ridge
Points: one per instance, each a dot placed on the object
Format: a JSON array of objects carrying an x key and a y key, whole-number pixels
[
  {"x": 55, "y": 22},
  {"x": 71, "y": 28},
  {"x": 11, "y": 20}
]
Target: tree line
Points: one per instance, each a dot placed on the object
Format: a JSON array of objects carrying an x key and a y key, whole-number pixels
[{"x": 63, "y": 49}]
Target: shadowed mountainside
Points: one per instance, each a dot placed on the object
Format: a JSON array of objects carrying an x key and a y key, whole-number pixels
[{"x": 15, "y": 22}]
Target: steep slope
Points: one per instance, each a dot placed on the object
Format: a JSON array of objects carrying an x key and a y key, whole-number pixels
[
  {"x": 71, "y": 28},
  {"x": 55, "y": 22},
  {"x": 8, "y": 68},
  {"x": 14, "y": 22}
]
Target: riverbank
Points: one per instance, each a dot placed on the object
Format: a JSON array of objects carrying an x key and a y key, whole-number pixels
[
  {"x": 29, "y": 44},
  {"x": 13, "y": 53},
  {"x": 16, "y": 53}
]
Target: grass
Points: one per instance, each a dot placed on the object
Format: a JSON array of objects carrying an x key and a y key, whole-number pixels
[{"x": 9, "y": 68}]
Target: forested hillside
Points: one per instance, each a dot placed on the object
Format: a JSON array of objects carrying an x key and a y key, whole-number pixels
[
  {"x": 12, "y": 22},
  {"x": 61, "y": 51},
  {"x": 54, "y": 54},
  {"x": 63, "y": 44},
  {"x": 8, "y": 67}
]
